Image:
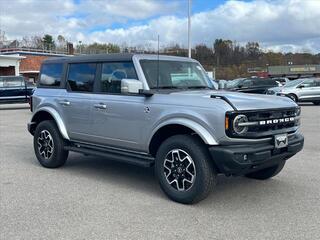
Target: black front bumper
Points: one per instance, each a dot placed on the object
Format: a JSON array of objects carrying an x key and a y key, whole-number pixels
[{"x": 244, "y": 158}]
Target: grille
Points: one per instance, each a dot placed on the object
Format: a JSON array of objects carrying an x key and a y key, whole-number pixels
[
  {"x": 271, "y": 115},
  {"x": 270, "y": 128}
]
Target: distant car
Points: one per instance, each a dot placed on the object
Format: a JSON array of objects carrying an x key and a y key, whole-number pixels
[
  {"x": 300, "y": 90},
  {"x": 281, "y": 80},
  {"x": 14, "y": 89},
  {"x": 252, "y": 85}
]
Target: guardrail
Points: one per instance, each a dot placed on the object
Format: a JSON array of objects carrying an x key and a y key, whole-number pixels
[{"x": 37, "y": 50}]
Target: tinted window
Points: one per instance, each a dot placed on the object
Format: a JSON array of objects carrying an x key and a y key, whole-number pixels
[
  {"x": 112, "y": 73},
  {"x": 51, "y": 74},
  {"x": 81, "y": 76},
  {"x": 308, "y": 83},
  {"x": 8, "y": 82}
]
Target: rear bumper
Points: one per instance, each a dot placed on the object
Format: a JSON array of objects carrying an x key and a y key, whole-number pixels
[{"x": 245, "y": 158}]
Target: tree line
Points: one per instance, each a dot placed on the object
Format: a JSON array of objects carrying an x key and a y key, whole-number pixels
[{"x": 227, "y": 58}]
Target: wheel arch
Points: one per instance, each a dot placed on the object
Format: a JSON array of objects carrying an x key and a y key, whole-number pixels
[
  {"x": 179, "y": 126},
  {"x": 48, "y": 113}
]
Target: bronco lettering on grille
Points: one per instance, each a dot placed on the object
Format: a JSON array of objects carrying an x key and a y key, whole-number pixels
[{"x": 275, "y": 121}]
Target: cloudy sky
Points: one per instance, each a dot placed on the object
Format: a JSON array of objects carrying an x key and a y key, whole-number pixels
[{"x": 280, "y": 25}]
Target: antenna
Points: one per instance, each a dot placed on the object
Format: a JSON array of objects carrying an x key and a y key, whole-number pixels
[{"x": 158, "y": 65}]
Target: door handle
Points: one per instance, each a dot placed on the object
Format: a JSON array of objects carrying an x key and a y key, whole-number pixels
[
  {"x": 100, "y": 106},
  {"x": 64, "y": 102}
]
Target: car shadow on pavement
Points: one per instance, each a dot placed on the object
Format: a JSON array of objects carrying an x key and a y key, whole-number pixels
[
  {"x": 229, "y": 190},
  {"x": 113, "y": 172},
  {"x": 305, "y": 104}
]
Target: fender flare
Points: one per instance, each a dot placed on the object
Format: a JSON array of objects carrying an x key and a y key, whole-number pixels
[
  {"x": 57, "y": 118},
  {"x": 204, "y": 134}
]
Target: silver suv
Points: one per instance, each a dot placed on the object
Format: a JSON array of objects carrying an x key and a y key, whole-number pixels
[
  {"x": 160, "y": 111},
  {"x": 300, "y": 90}
]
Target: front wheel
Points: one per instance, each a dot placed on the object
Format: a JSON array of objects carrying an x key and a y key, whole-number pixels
[
  {"x": 293, "y": 97},
  {"x": 184, "y": 169},
  {"x": 49, "y": 145},
  {"x": 316, "y": 103},
  {"x": 267, "y": 172}
]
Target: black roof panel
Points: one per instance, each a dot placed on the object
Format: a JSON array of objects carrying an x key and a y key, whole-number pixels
[{"x": 93, "y": 58}]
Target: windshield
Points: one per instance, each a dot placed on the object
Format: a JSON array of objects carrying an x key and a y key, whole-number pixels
[
  {"x": 175, "y": 75},
  {"x": 293, "y": 83}
]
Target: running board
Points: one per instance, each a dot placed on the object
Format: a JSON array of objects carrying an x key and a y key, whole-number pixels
[{"x": 114, "y": 154}]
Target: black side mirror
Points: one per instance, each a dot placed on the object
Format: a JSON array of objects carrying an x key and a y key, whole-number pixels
[{"x": 301, "y": 86}]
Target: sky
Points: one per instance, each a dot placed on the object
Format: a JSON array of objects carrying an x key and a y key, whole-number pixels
[{"x": 278, "y": 25}]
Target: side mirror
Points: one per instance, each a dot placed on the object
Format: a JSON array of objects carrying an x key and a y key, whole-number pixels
[
  {"x": 131, "y": 86},
  {"x": 301, "y": 86}
]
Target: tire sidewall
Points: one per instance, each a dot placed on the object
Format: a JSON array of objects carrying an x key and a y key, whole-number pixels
[
  {"x": 198, "y": 158},
  {"x": 293, "y": 97},
  {"x": 56, "y": 159}
]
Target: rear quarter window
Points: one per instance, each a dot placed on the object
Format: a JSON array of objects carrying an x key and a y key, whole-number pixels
[
  {"x": 81, "y": 76},
  {"x": 51, "y": 74}
]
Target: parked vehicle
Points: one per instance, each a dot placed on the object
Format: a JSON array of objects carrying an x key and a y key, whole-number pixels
[
  {"x": 14, "y": 89},
  {"x": 281, "y": 80},
  {"x": 300, "y": 90},
  {"x": 252, "y": 85},
  {"x": 163, "y": 111}
]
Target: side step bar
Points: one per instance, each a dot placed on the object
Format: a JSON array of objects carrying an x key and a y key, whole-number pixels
[{"x": 114, "y": 154}]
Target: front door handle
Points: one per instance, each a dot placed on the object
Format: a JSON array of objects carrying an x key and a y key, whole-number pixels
[
  {"x": 64, "y": 102},
  {"x": 100, "y": 106}
]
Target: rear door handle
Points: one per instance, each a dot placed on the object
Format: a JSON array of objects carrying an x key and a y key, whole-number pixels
[
  {"x": 64, "y": 102},
  {"x": 100, "y": 106}
]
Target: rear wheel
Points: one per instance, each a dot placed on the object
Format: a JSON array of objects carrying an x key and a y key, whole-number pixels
[
  {"x": 316, "y": 103},
  {"x": 49, "y": 145},
  {"x": 267, "y": 172},
  {"x": 184, "y": 170}
]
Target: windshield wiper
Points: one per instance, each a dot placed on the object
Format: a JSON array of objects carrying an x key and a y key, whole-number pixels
[
  {"x": 199, "y": 87},
  {"x": 165, "y": 87}
]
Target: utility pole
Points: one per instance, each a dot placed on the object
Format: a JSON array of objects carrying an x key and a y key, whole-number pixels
[{"x": 189, "y": 28}]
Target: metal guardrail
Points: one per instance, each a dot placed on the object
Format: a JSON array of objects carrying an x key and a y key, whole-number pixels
[{"x": 37, "y": 50}]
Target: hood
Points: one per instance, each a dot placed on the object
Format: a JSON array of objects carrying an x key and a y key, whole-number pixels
[{"x": 245, "y": 101}]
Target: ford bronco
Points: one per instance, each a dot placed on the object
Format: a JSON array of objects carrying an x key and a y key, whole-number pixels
[{"x": 160, "y": 111}]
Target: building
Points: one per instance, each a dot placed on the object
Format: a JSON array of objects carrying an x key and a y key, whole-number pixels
[
  {"x": 10, "y": 65},
  {"x": 294, "y": 71},
  {"x": 28, "y": 61}
]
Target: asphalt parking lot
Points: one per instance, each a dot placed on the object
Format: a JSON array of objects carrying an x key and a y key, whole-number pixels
[{"x": 93, "y": 198}]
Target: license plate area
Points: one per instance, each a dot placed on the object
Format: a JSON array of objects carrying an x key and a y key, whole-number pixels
[{"x": 281, "y": 141}]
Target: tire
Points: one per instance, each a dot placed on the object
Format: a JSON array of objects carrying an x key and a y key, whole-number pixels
[
  {"x": 186, "y": 189},
  {"x": 316, "y": 103},
  {"x": 49, "y": 145},
  {"x": 293, "y": 97},
  {"x": 267, "y": 173}
]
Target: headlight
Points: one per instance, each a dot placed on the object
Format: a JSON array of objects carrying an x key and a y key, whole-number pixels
[{"x": 237, "y": 124}]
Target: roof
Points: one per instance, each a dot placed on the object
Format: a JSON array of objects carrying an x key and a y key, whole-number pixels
[
  {"x": 114, "y": 57},
  {"x": 13, "y": 57},
  {"x": 293, "y": 69},
  {"x": 94, "y": 57}
]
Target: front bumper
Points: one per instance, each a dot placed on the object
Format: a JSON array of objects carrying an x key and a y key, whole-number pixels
[{"x": 244, "y": 158}]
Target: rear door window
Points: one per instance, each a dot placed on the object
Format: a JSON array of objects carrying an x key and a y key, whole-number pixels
[
  {"x": 81, "y": 76},
  {"x": 51, "y": 74}
]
